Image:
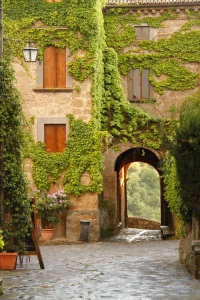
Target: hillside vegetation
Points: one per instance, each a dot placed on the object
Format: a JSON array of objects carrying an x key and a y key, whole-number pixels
[{"x": 143, "y": 191}]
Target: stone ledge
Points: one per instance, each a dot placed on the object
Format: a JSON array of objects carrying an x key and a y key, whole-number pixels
[
  {"x": 166, "y": 232},
  {"x": 46, "y": 90}
]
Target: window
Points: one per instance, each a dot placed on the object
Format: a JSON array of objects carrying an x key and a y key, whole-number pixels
[
  {"x": 54, "y": 133},
  {"x": 138, "y": 85},
  {"x": 54, "y": 68},
  {"x": 55, "y": 137},
  {"x": 52, "y": 72},
  {"x": 53, "y": 0},
  {"x": 142, "y": 32}
]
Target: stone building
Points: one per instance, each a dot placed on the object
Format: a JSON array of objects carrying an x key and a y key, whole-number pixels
[{"x": 138, "y": 56}]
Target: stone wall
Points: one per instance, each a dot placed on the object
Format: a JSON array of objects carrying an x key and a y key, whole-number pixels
[
  {"x": 190, "y": 233},
  {"x": 84, "y": 208},
  {"x": 137, "y": 222},
  {"x": 169, "y": 98},
  {"x": 39, "y": 104}
]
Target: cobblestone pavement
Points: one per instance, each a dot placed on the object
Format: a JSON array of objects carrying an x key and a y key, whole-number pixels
[{"x": 145, "y": 270}]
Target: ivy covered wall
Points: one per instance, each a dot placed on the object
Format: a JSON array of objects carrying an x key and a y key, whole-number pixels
[{"x": 106, "y": 39}]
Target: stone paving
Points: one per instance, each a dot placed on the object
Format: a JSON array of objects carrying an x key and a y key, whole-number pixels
[{"x": 119, "y": 268}]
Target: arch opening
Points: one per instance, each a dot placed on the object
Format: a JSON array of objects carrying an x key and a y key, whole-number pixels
[
  {"x": 123, "y": 166},
  {"x": 143, "y": 192}
]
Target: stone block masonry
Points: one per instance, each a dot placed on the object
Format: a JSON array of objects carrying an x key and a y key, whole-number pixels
[{"x": 137, "y": 222}]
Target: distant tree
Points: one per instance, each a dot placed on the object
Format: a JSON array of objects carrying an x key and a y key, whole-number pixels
[{"x": 143, "y": 191}]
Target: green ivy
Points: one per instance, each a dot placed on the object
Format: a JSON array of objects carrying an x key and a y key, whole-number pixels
[
  {"x": 82, "y": 155},
  {"x": 103, "y": 39},
  {"x": 172, "y": 188},
  {"x": 164, "y": 57},
  {"x": 124, "y": 121},
  {"x": 13, "y": 185}
]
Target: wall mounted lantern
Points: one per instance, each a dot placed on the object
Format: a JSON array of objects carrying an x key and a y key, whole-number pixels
[{"x": 30, "y": 53}]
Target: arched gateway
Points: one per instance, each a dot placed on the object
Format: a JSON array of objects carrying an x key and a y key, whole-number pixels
[{"x": 115, "y": 184}]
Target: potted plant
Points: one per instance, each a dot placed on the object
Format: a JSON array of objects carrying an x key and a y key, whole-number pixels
[
  {"x": 49, "y": 206},
  {"x": 7, "y": 259}
]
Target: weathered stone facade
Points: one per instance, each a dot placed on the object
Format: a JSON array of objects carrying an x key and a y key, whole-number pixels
[{"x": 41, "y": 104}]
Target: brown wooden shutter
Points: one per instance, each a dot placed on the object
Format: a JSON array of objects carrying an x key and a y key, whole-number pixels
[
  {"x": 61, "y": 68},
  {"x": 55, "y": 137},
  {"x": 54, "y": 68},
  {"x": 49, "y": 67},
  {"x": 61, "y": 137},
  {"x": 138, "y": 85}
]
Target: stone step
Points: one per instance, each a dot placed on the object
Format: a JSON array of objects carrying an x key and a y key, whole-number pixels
[{"x": 166, "y": 232}]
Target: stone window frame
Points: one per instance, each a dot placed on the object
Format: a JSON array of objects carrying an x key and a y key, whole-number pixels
[
  {"x": 152, "y": 32},
  {"x": 50, "y": 120},
  {"x": 39, "y": 77},
  {"x": 143, "y": 80}
]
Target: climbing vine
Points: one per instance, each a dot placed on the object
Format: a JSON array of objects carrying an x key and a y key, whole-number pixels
[
  {"x": 82, "y": 155},
  {"x": 14, "y": 202},
  {"x": 105, "y": 43},
  {"x": 172, "y": 190},
  {"x": 124, "y": 121},
  {"x": 168, "y": 57}
]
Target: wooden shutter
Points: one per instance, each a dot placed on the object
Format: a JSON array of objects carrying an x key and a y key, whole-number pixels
[
  {"x": 49, "y": 67},
  {"x": 54, "y": 68},
  {"x": 142, "y": 32},
  {"x": 61, "y": 68},
  {"x": 55, "y": 137},
  {"x": 138, "y": 85}
]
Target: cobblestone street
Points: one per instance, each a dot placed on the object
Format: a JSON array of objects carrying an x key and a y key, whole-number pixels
[{"x": 105, "y": 270}]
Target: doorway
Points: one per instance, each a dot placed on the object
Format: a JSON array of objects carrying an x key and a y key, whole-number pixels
[
  {"x": 122, "y": 166},
  {"x": 143, "y": 192}
]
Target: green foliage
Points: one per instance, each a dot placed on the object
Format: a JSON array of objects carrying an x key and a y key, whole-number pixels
[
  {"x": 47, "y": 166},
  {"x": 79, "y": 25},
  {"x": 83, "y": 29},
  {"x": 67, "y": 23},
  {"x": 124, "y": 121},
  {"x": 187, "y": 153},
  {"x": 1, "y": 240},
  {"x": 15, "y": 205},
  {"x": 167, "y": 57},
  {"x": 143, "y": 192},
  {"x": 49, "y": 205},
  {"x": 172, "y": 190},
  {"x": 182, "y": 165},
  {"x": 83, "y": 156}
]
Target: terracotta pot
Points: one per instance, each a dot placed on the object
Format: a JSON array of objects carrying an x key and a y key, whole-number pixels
[
  {"x": 8, "y": 260},
  {"x": 47, "y": 234}
]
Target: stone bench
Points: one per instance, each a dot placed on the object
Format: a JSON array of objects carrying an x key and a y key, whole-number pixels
[{"x": 166, "y": 232}]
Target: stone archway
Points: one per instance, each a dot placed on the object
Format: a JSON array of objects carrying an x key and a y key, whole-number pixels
[
  {"x": 113, "y": 210},
  {"x": 123, "y": 161}
]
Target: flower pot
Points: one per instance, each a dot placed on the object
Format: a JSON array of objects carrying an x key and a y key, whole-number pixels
[
  {"x": 8, "y": 260},
  {"x": 47, "y": 234}
]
